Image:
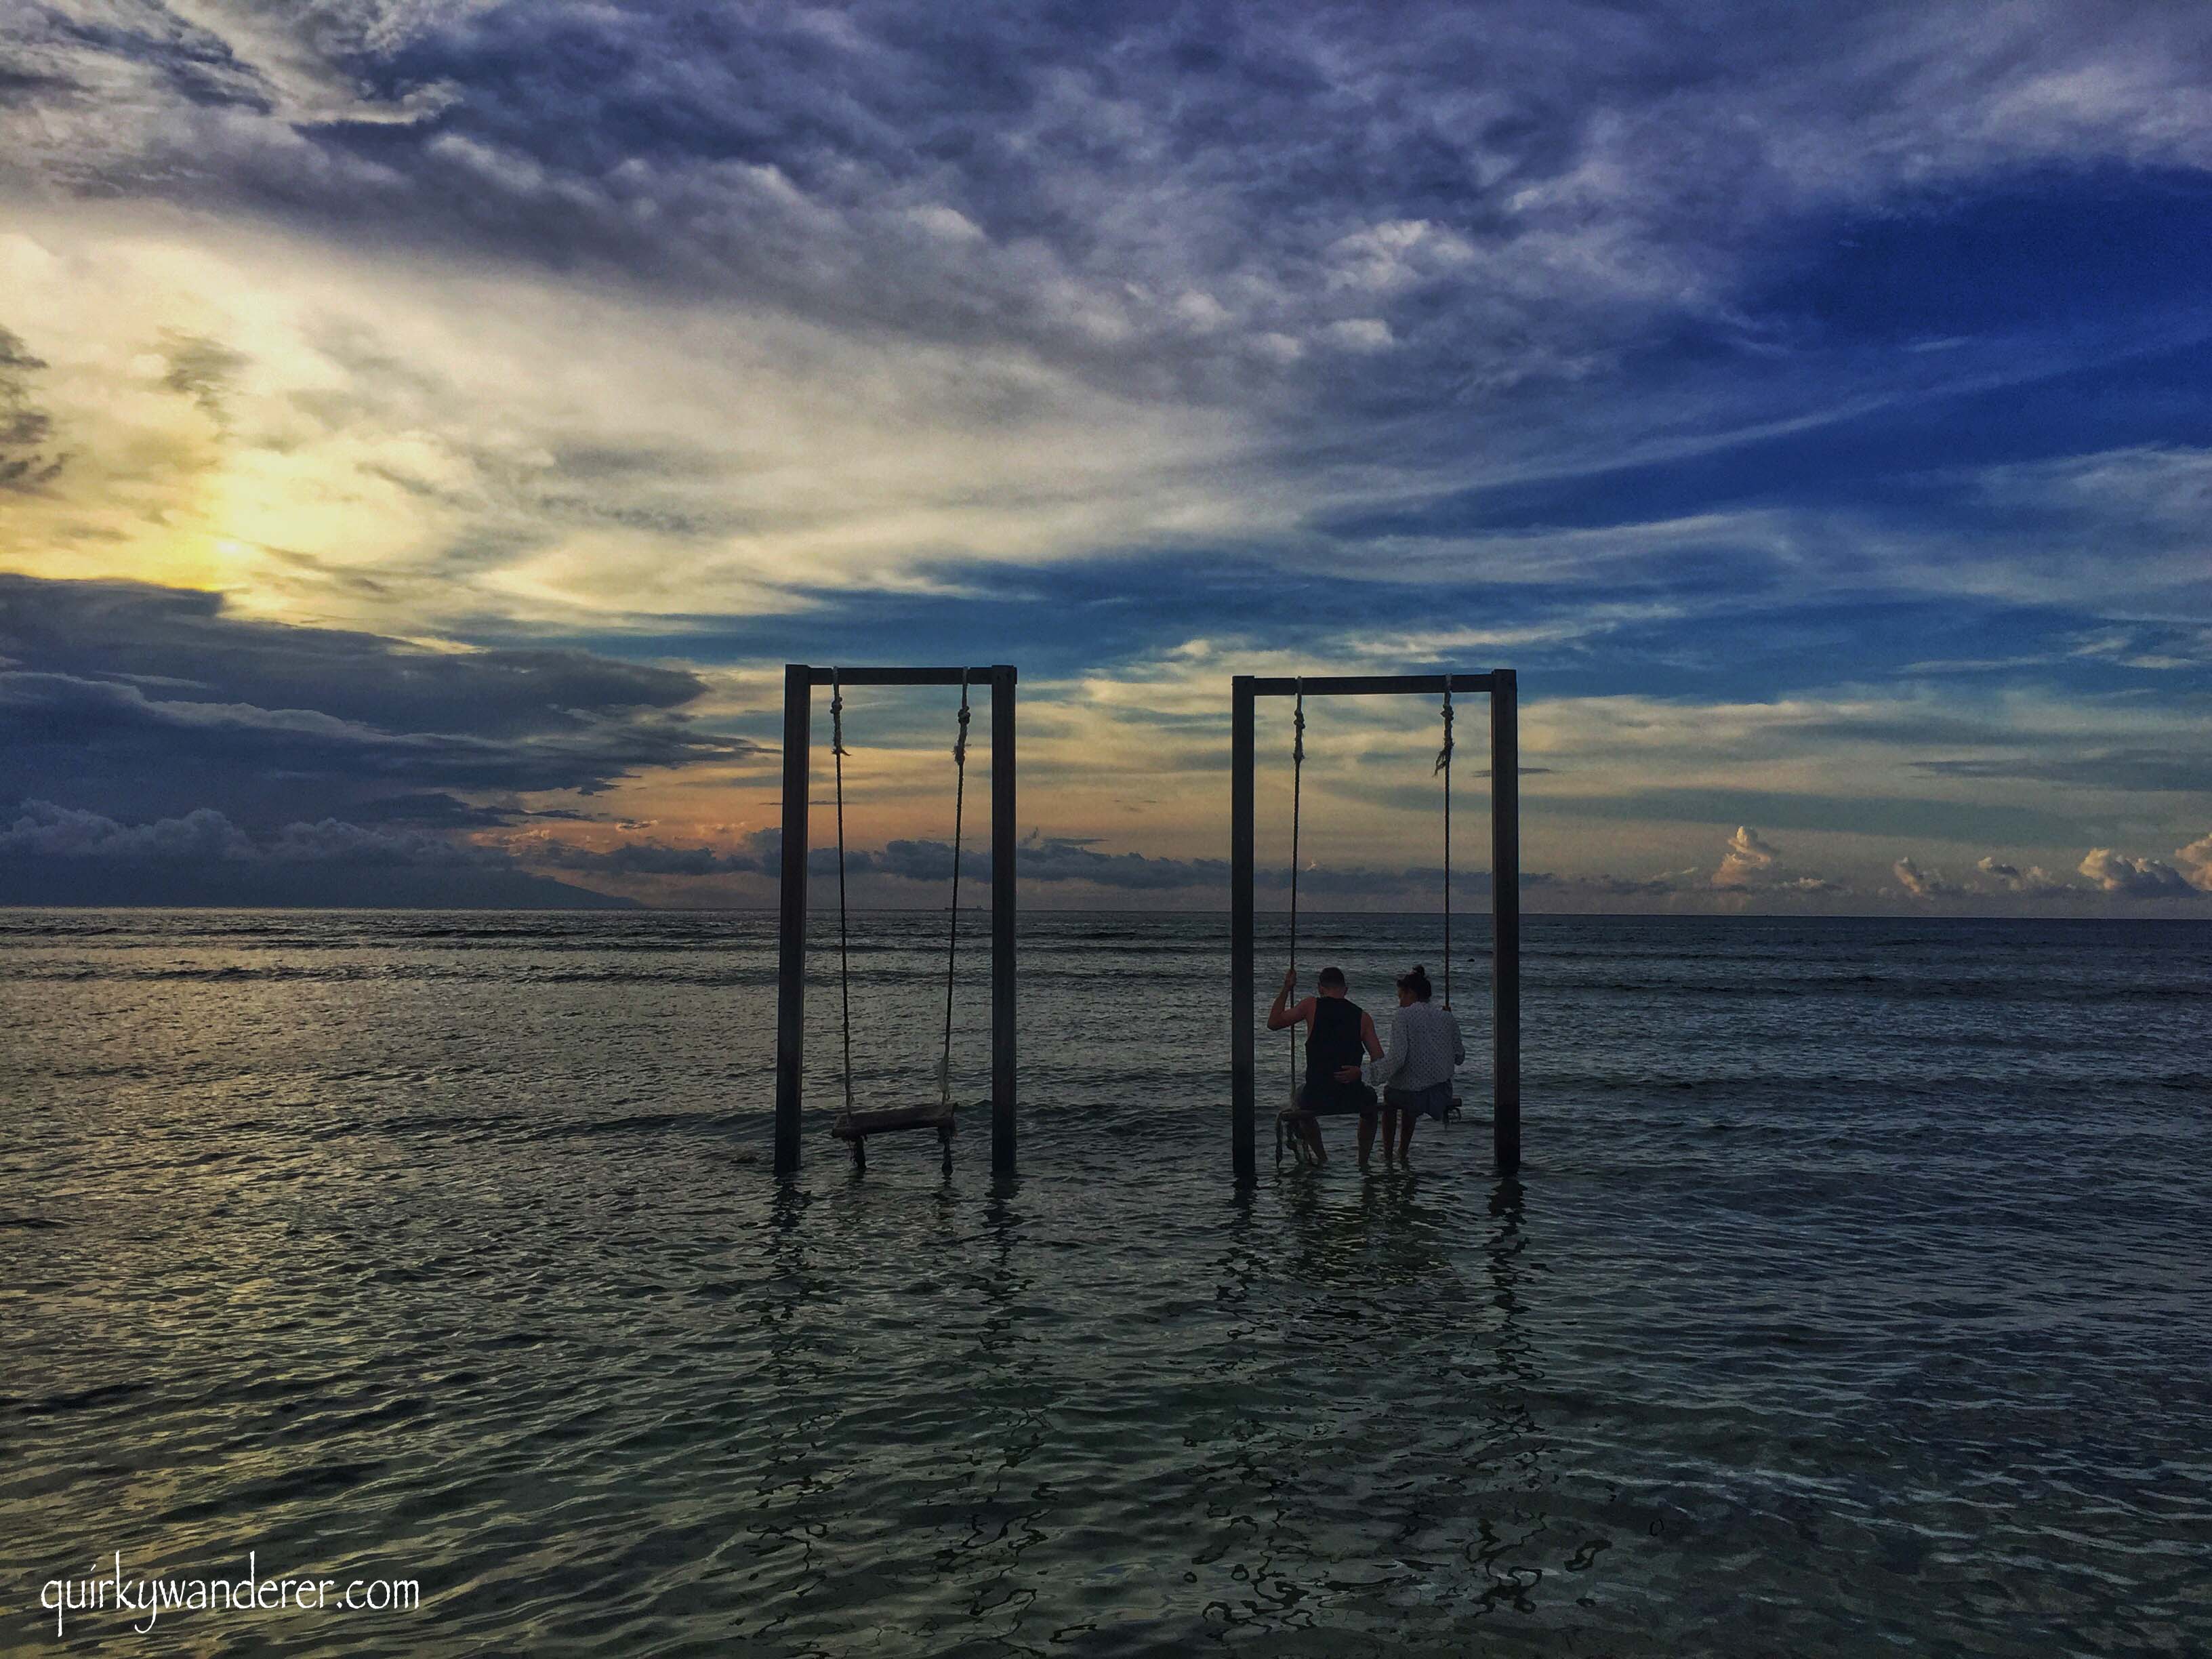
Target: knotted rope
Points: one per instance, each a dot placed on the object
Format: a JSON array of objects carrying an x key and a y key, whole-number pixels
[
  {"x": 1443, "y": 766},
  {"x": 953, "y": 943},
  {"x": 1297, "y": 784},
  {"x": 844, "y": 969}
]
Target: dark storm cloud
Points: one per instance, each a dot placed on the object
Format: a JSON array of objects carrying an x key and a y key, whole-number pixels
[
  {"x": 92, "y": 716},
  {"x": 129, "y": 698},
  {"x": 435, "y": 810},
  {"x": 204, "y": 654},
  {"x": 652, "y": 858},
  {"x": 52, "y": 855}
]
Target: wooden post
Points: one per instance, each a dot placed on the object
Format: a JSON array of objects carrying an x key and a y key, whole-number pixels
[
  {"x": 1242, "y": 1072},
  {"x": 791, "y": 929},
  {"x": 1505, "y": 918},
  {"x": 1003, "y": 833}
]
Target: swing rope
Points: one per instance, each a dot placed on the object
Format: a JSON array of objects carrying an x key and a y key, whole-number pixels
[
  {"x": 1443, "y": 766},
  {"x": 838, "y": 751},
  {"x": 1297, "y": 784},
  {"x": 844, "y": 969},
  {"x": 953, "y": 943}
]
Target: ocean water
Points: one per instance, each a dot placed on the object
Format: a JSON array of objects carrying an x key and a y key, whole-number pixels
[{"x": 1855, "y": 1296}]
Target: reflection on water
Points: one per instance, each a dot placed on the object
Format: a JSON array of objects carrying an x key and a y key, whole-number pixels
[{"x": 438, "y": 1248}]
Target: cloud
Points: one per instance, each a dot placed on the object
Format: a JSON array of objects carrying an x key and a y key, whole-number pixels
[
  {"x": 1750, "y": 864},
  {"x": 24, "y": 427},
  {"x": 1051, "y": 861},
  {"x": 2137, "y": 770},
  {"x": 1090, "y": 178},
  {"x": 53, "y": 854},
  {"x": 201, "y": 369},
  {"x": 329, "y": 841},
  {"x": 46, "y": 830},
  {"x": 405, "y": 452},
  {"x": 2148, "y": 877},
  {"x": 759, "y": 854},
  {"x": 1040, "y": 859},
  {"x": 1748, "y": 861},
  {"x": 2195, "y": 862},
  {"x": 124, "y": 696},
  {"x": 1108, "y": 279},
  {"x": 1922, "y": 883},
  {"x": 2131, "y": 878},
  {"x": 2011, "y": 878}
]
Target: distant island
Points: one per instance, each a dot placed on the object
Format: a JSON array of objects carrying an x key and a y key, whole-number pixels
[{"x": 295, "y": 886}]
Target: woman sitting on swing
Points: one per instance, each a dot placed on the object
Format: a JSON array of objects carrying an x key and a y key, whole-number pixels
[{"x": 1338, "y": 1031}]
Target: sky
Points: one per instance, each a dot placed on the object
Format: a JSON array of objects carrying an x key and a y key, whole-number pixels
[{"x": 427, "y": 425}]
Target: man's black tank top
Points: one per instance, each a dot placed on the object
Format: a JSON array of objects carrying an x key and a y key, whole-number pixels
[{"x": 1334, "y": 1040}]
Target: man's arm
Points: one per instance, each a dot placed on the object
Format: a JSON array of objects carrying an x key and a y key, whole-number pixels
[
  {"x": 1383, "y": 1067},
  {"x": 1278, "y": 1015}
]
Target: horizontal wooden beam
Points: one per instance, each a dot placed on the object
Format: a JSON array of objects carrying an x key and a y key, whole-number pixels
[
  {"x": 1369, "y": 685},
  {"x": 977, "y": 676}
]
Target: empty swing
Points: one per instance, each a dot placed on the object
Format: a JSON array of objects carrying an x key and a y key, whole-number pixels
[
  {"x": 855, "y": 1127},
  {"x": 1292, "y": 1108}
]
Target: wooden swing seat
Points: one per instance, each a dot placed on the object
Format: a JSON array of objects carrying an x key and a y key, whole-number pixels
[
  {"x": 1291, "y": 1114},
  {"x": 859, "y": 1126}
]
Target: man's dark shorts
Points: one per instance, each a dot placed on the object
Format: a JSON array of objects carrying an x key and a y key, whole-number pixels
[{"x": 1334, "y": 1099}]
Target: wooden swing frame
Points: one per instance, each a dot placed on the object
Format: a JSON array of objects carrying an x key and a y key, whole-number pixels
[
  {"x": 799, "y": 680},
  {"x": 1501, "y": 686}
]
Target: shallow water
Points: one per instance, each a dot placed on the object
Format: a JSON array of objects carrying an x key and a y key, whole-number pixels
[{"x": 1853, "y": 1297}]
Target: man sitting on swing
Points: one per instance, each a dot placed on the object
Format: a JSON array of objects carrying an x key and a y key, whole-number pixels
[{"x": 1338, "y": 1030}]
